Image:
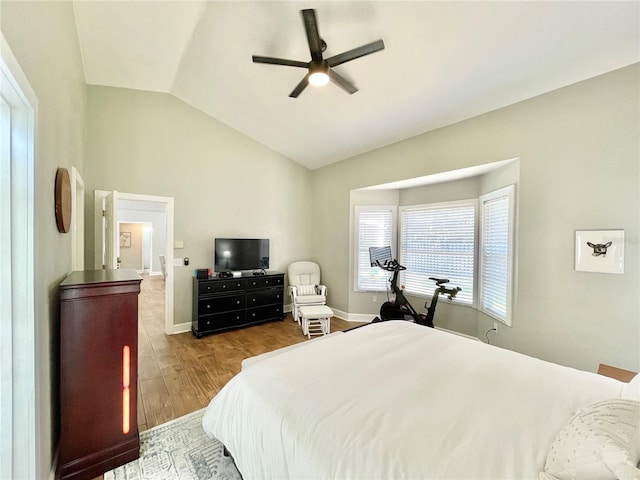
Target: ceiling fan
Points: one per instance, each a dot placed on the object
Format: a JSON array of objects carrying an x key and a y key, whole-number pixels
[{"x": 320, "y": 69}]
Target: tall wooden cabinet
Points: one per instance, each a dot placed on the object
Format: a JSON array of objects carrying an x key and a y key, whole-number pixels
[{"x": 98, "y": 372}]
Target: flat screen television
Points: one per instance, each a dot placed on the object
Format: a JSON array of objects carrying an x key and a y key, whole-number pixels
[{"x": 233, "y": 254}]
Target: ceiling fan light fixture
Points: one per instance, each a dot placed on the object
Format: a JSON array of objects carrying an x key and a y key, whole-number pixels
[{"x": 318, "y": 79}]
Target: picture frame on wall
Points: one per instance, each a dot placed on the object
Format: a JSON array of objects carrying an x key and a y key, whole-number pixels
[
  {"x": 599, "y": 251},
  {"x": 125, "y": 239}
]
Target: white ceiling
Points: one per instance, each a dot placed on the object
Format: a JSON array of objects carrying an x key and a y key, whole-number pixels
[{"x": 443, "y": 62}]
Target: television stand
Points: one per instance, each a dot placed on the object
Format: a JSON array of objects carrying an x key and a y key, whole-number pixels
[{"x": 221, "y": 304}]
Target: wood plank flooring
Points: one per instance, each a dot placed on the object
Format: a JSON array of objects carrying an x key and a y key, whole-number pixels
[{"x": 178, "y": 374}]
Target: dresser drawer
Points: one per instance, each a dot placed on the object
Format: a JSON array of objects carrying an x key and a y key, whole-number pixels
[
  {"x": 268, "y": 312},
  {"x": 218, "y": 286},
  {"x": 221, "y": 303},
  {"x": 218, "y": 321},
  {"x": 259, "y": 298},
  {"x": 263, "y": 282}
]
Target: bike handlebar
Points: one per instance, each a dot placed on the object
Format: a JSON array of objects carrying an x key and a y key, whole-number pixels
[{"x": 391, "y": 266}]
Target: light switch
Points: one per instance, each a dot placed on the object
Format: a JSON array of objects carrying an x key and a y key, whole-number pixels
[{"x": 177, "y": 262}]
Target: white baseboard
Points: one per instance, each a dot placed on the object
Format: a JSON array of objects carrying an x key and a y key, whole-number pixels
[
  {"x": 349, "y": 317},
  {"x": 180, "y": 328},
  {"x": 353, "y": 317}
]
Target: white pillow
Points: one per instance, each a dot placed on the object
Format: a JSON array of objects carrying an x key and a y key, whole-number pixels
[
  {"x": 631, "y": 390},
  {"x": 306, "y": 289},
  {"x": 599, "y": 442}
]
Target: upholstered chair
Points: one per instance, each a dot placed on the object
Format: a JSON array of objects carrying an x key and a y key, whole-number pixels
[{"x": 305, "y": 287}]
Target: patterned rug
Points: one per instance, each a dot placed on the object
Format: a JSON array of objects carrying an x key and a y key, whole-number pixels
[{"x": 178, "y": 450}]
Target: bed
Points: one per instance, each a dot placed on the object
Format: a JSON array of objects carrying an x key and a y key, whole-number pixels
[{"x": 397, "y": 400}]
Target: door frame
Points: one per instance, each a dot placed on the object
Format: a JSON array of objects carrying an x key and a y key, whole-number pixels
[
  {"x": 77, "y": 220},
  {"x": 168, "y": 203},
  {"x": 23, "y": 398}
]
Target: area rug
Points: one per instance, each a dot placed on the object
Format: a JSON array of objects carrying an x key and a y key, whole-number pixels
[{"x": 178, "y": 450}]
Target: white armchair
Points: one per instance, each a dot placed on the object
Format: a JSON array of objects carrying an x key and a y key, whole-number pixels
[{"x": 305, "y": 287}]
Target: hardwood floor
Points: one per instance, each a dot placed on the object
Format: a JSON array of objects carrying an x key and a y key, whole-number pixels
[{"x": 178, "y": 374}]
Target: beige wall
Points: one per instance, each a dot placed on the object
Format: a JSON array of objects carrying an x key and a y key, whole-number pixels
[
  {"x": 224, "y": 183},
  {"x": 42, "y": 36},
  {"x": 579, "y": 169}
]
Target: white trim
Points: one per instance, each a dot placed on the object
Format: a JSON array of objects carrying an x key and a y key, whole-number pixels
[
  {"x": 180, "y": 328},
  {"x": 77, "y": 212},
  {"x": 353, "y": 317},
  {"x": 18, "y": 459}
]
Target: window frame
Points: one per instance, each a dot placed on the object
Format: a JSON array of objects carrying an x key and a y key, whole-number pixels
[
  {"x": 508, "y": 192},
  {"x": 358, "y": 209}
]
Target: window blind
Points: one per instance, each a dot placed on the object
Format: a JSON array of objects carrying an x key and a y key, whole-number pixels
[
  {"x": 438, "y": 241},
  {"x": 375, "y": 228},
  {"x": 496, "y": 254}
]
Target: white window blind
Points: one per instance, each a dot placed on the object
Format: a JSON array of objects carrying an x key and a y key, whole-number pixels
[
  {"x": 438, "y": 240},
  {"x": 496, "y": 254},
  {"x": 375, "y": 227}
]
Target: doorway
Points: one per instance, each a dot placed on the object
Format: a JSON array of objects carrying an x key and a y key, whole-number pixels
[{"x": 148, "y": 210}]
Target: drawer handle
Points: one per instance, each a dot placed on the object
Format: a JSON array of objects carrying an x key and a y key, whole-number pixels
[
  {"x": 254, "y": 300},
  {"x": 266, "y": 281},
  {"x": 208, "y": 306},
  {"x": 253, "y": 314},
  {"x": 224, "y": 286},
  {"x": 237, "y": 302},
  {"x": 208, "y": 323}
]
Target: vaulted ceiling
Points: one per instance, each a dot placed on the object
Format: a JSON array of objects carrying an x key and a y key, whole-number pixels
[{"x": 443, "y": 62}]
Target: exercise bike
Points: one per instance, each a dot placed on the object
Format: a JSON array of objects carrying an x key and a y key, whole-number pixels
[{"x": 400, "y": 308}]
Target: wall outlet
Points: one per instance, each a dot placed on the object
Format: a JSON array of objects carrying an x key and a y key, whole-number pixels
[
  {"x": 374, "y": 298},
  {"x": 177, "y": 262}
]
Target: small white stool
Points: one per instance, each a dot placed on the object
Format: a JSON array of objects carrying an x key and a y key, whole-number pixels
[{"x": 316, "y": 320}]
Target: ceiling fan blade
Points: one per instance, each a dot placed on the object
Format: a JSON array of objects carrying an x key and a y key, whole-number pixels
[
  {"x": 342, "y": 82},
  {"x": 313, "y": 37},
  {"x": 279, "y": 61},
  {"x": 300, "y": 87},
  {"x": 356, "y": 53}
]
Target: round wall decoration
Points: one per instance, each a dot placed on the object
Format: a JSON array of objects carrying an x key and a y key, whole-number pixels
[{"x": 63, "y": 200}]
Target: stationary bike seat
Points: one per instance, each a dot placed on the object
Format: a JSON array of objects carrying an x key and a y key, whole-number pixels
[{"x": 439, "y": 281}]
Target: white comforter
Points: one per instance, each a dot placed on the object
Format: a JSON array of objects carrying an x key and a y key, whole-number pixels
[{"x": 396, "y": 400}]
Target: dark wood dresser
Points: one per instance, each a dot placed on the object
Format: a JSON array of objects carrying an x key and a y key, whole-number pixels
[
  {"x": 98, "y": 372},
  {"x": 223, "y": 303}
]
